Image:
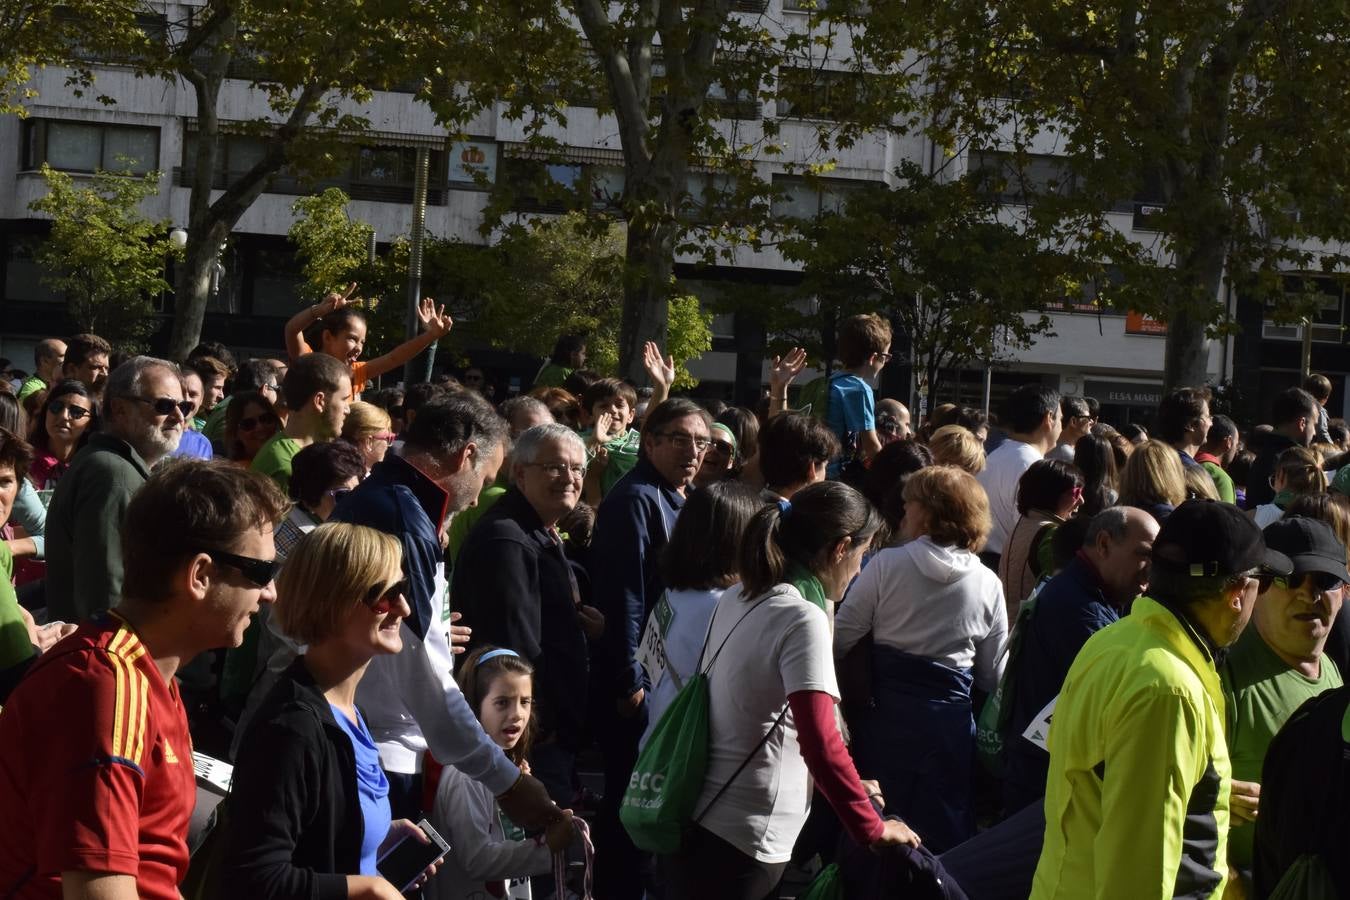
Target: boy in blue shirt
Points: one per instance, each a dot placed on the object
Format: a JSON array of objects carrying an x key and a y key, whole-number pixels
[{"x": 864, "y": 348}]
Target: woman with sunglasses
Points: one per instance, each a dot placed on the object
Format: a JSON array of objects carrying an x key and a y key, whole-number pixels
[
  {"x": 250, "y": 421},
  {"x": 65, "y": 421},
  {"x": 308, "y": 813},
  {"x": 1048, "y": 493},
  {"x": 370, "y": 430}
]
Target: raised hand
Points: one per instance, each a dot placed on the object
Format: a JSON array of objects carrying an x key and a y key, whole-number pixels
[
  {"x": 661, "y": 369},
  {"x": 433, "y": 318},
  {"x": 785, "y": 368},
  {"x": 335, "y": 301}
]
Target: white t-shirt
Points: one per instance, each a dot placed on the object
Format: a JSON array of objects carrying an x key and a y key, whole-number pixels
[
  {"x": 999, "y": 479},
  {"x": 682, "y": 624},
  {"x": 784, "y": 647}
]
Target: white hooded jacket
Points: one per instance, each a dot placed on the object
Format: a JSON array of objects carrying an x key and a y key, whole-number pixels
[{"x": 939, "y": 603}]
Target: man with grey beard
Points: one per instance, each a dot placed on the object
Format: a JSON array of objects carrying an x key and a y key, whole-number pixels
[{"x": 144, "y": 414}]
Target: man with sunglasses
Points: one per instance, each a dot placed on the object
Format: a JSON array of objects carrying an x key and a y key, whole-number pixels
[
  {"x": 1077, "y": 421},
  {"x": 144, "y": 412},
  {"x": 96, "y": 771},
  {"x": 1138, "y": 795},
  {"x": 1279, "y": 663}
]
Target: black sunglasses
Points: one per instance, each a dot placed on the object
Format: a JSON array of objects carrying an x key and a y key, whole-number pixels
[
  {"x": 379, "y": 593},
  {"x": 164, "y": 406},
  {"x": 252, "y": 422},
  {"x": 259, "y": 571},
  {"x": 1322, "y": 582},
  {"x": 76, "y": 413}
]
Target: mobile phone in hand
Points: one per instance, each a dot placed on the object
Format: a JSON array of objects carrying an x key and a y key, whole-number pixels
[{"x": 408, "y": 859}]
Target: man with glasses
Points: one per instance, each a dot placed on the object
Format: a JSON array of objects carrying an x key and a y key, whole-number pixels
[
  {"x": 1279, "y": 663},
  {"x": 632, "y": 527},
  {"x": 144, "y": 412},
  {"x": 517, "y": 589},
  {"x": 1078, "y": 421},
  {"x": 96, "y": 773},
  {"x": 1138, "y": 796}
]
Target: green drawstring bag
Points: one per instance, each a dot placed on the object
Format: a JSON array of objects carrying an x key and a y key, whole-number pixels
[
  {"x": 828, "y": 885},
  {"x": 1306, "y": 879},
  {"x": 670, "y": 771}
]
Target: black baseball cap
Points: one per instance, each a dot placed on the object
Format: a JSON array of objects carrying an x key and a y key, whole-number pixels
[
  {"x": 1207, "y": 538},
  {"x": 1310, "y": 544}
]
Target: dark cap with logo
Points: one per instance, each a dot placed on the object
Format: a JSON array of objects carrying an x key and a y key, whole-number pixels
[
  {"x": 1310, "y": 544},
  {"x": 1206, "y": 538}
]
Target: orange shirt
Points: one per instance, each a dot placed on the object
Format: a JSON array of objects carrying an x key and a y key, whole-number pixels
[{"x": 358, "y": 368}]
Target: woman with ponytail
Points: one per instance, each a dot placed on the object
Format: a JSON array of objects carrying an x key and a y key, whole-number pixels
[
  {"x": 772, "y": 693},
  {"x": 1297, "y": 472}
]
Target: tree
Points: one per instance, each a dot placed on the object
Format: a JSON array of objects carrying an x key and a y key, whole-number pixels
[
  {"x": 333, "y": 247},
  {"x": 36, "y": 33},
  {"x": 1222, "y": 120},
  {"x": 962, "y": 284},
  {"x": 106, "y": 257}
]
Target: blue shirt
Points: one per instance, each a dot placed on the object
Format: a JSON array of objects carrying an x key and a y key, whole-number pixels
[
  {"x": 194, "y": 444},
  {"x": 851, "y": 410},
  {"x": 371, "y": 786}
]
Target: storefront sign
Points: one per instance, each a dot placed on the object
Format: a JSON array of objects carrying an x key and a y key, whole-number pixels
[
  {"x": 472, "y": 160},
  {"x": 1138, "y": 323},
  {"x": 1124, "y": 393}
]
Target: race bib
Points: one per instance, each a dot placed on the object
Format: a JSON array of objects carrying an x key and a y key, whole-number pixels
[{"x": 652, "y": 649}]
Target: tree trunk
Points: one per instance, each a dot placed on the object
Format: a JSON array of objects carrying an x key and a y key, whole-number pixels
[{"x": 650, "y": 257}]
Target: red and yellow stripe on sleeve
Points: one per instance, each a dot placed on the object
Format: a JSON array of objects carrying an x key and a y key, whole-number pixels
[{"x": 131, "y": 698}]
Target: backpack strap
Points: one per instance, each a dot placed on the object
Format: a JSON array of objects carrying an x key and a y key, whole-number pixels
[
  {"x": 745, "y": 762},
  {"x": 718, "y": 652}
]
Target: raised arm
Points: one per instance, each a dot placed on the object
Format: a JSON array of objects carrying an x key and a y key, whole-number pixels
[
  {"x": 436, "y": 324},
  {"x": 782, "y": 370},
  {"x": 661, "y": 370},
  {"x": 296, "y": 324}
]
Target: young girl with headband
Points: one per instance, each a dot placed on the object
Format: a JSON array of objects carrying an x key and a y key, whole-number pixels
[{"x": 489, "y": 855}]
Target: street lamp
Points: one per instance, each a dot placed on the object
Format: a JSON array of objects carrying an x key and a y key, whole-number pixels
[{"x": 178, "y": 238}]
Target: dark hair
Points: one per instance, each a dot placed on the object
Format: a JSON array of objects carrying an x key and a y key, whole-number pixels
[
  {"x": 578, "y": 525},
  {"x": 669, "y": 411},
  {"x": 714, "y": 406},
  {"x": 41, "y": 440},
  {"x": 311, "y": 374},
  {"x": 1073, "y": 406},
  {"x": 565, "y": 346},
  {"x": 82, "y": 346},
  {"x": 252, "y": 376},
  {"x": 884, "y": 483},
  {"x": 207, "y": 366},
  {"x": 703, "y": 551},
  {"x": 790, "y": 445},
  {"x": 338, "y": 319},
  {"x": 15, "y": 451},
  {"x": 475, "y": 680},
  {"x": 580, "y": 379},
  {"x": 1338, "y": 431},
  {"x": 1292, "y": 404},
  {"x": 606, "y": 389},
  {"x": 234, "y": 414},
  {"x": 745, "y": 426},
  {"x": 564, "y": 407},
  {"x": 320, "y": 468},
  {"x": 1178, "y": 411},
  {"x": 443, "y": 428},
  {"x": 216, "y": 350},
  {"x": 971, "y": 419},
  {"x": 1240, "y": 469},
  {"x": 188, "y": 506},
  {"x": 1221, "y": 428},
  {"x": 1095, "y": 458},
  {"x": 1134, "y": 432},
  {"x": 1045, "y": 483},
  {"x": 1067, "y": 540},
  {"x": 1094, "y": 407},
  {"x": 819, "y": 517},
  {"x": 861, "y": 336},
  {"x": 12, "y": 417},
  {"x": 1319, "y": 386},
  {"x": 1027, "y": 406},
  {"x": 421, "y": 394}
]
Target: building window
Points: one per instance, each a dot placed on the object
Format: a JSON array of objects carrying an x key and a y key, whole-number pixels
[
  {"x": 90, "y": 146},
  {"x": 24, "y": 274},
  {"x": 798, "y": 198},
  {"x": 1014, "y": 182},
  {"x": 805, "y": 93}
]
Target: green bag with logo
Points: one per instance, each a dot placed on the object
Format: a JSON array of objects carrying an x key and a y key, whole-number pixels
[{"x": 669, "y": 775}]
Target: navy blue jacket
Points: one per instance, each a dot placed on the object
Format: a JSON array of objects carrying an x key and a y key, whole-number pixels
[
  {"x": 514, "y": 584},
  {"x": 1069, "y": 609},
  {"x": 399, "y": 500},
  {"x": 632, "y": 527}
]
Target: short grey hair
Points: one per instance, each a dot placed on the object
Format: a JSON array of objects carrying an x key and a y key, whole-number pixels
[
  {"x": 126, "y": 380},
  {"x": 524, "y": 403},
  {"x": 535, "y": 439}
]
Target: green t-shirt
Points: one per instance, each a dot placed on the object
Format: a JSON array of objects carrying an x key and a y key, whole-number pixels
[
  {"x": 274, "y": 460},
  {"x": 552, "y": 375},
  {"x": 464, "y": 520},
  {"x": 1261, "y": 692},
  {"x": 15, "y": 646},
  {"x": 214, "y": 429},
  {"x": 623, "y": 455},
  {"x": 1222, "y": 483},
  {"x": 31, "y": 385}
]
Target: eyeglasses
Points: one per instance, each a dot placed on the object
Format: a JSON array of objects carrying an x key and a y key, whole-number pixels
[
  {"x": 164, "y": 406},
  {"x": 380, "y": 598},
  {"x": 259, "y": 571},
  {"x": 886, "y": 357},
  {"x": 76, "y": 413},
  {"x": 387, "y": 436},
  {"x": 560, "y": 470},
  {"x": 723, "y": 447},
  {"x": 1321, "y": 582},
  {"x": 685, "y": 441},
  {"x": 253, "y": 422},
  {"x": 270, "y": 386}
]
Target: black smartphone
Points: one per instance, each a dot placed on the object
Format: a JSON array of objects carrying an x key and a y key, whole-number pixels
[{"x": 408, "y": 859}]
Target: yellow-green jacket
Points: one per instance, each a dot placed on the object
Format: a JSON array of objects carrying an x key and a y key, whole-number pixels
[{"x": 1136, "y": 804}]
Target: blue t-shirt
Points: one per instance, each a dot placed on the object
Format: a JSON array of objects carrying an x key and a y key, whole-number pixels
[
  {"x": 194, "y": 444},
  {"x": 851, "y": 410},
  {"x": 371, "y": 785}
]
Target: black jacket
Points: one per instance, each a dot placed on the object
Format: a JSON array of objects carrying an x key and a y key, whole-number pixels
[
  {"x": 1259, "y": 489},
  {"x": 517, "y": 590},
  {"x": 294, "y": 826}
]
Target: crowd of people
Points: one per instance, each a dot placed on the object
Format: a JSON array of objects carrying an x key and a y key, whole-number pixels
[{"x": 1028, "y": 656}]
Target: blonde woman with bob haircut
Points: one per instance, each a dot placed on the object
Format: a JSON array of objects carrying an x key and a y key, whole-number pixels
[
  {"x": 370, "y": 430},
  {"x": 956, "y": 445},
  {"x": 1153, "y": 480},
  {"x": 938, "y": 627},
  {"x": 1298, "y": 473},
  {"x": 309, "y": 809}
]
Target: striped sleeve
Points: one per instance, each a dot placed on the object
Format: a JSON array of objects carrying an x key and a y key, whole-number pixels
[{"x": 131, "y": 690}]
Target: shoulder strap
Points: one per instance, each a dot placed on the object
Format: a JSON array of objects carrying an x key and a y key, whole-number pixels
[
  {"x": 745, "y": 762},
  {"x": 699, "y": 667}
]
